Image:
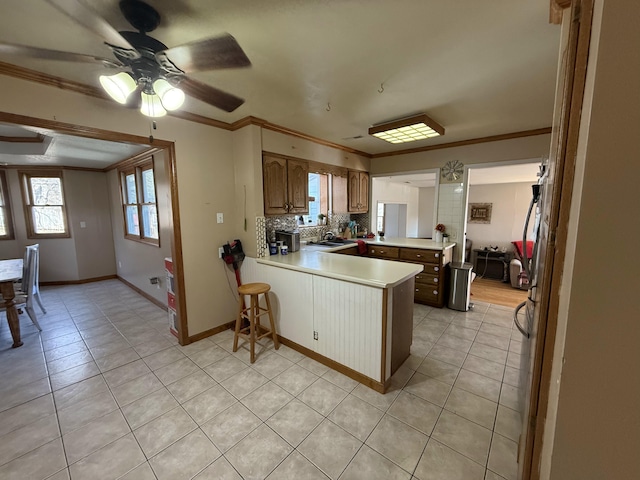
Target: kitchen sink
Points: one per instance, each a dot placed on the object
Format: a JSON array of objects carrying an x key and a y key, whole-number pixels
[{"x": 336, "y": 242}]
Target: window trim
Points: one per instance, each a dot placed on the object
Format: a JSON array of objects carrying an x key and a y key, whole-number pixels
[
  {"x": 6, "y": 205},
  {"x": 136, "y": 169},
  {"x": 27, "y": 198}
]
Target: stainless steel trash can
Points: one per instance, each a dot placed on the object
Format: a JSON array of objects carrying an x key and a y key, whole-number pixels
[{"x": 460, "y": 286}]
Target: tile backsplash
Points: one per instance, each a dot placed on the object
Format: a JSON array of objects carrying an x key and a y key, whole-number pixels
[{"x": 336, "y": 223}]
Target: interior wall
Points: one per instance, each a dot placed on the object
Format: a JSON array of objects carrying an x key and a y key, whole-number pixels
[
  {"x": 283, "y": 144},
  {"x": 488, "y": 152},
  {"x": 249, "y": 197},
  {"x": 594, "y": 431},
  {"x": 388, "y": 192},
  {"x": 204, "y": 166},
  {"x": 137, "y": 262},
  {"x": 426, "y": 204},
  {"x": 89, "y": 252},
  {"x": 510, "y": 202},
  {"x": 88, "y": 198}
]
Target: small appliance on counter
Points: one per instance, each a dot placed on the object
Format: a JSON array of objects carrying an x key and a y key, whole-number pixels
[{"x": 290, "y": 239}]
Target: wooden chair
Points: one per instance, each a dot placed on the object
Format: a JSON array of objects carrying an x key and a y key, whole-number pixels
[{"x": 255, "y": 331}]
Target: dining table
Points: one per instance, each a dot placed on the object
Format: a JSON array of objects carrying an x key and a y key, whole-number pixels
[{"x": 11, "y": 271}]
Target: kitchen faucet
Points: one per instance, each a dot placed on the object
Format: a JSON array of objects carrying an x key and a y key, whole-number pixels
[{"x": 356, "y": 230}]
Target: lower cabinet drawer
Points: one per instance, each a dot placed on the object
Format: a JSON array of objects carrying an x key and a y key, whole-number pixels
[
  {"x": 427, "y": 293},
  {"x": 431, "y": 256},
  {"x": 427, "y": 279},
  {"x": 383, "y": 252}
]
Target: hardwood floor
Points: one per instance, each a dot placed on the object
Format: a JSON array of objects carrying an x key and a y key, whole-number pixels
[{"x": 496, "y": 292}]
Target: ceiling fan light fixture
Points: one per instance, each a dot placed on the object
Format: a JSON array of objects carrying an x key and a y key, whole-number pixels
[
  {"x": 152, "y": 105},
  {"x": 410, "y": 129},
  {"x": 171, "y": 97},
  {"x": 118, "y": 86}
]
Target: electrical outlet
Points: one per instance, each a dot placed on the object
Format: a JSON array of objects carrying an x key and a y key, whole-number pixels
[
  {"x": 220, "y": 252},
  {"x": 220, "y": 218}
]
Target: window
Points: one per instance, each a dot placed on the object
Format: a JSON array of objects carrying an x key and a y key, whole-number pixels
[
  {"x": 45, "y": 209},
  {"x": 318, "y": 199},
  {"x": 6, "y": 225},
  {"x": 139, "y": 203}
]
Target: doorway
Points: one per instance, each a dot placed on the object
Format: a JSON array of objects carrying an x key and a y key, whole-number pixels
[
  {"x": 165, "y": 153},
  {"x": 408, "y": 201}
]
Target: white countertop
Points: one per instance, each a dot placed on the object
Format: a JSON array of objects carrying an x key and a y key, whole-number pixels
[
  {"x": 364, "y": 270},
  {"x": 410, "y": 243}
]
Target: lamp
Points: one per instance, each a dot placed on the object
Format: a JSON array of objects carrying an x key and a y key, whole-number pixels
[
  {"x": 407, "y": 129},
  {"x": 151, "y": 105},
  {"x": 118, "y": 86},
  {"x": 171, "y": 97},
  {"x": 157, "y": 96}
]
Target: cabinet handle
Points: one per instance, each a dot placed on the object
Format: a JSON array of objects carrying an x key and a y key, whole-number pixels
[
  {"x": 435, "y": 280},
  {"x": 435, "y": 292},
  {"x": 436, "y": 269},
  {"x": 418, "y": 255},
  {"x": 437, "y": 255},
  {"x": 417, "y": 289},
  {"x": 381, "y": 251}
]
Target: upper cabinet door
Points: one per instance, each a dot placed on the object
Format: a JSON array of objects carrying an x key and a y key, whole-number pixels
[
  {"x": 354, "y": 191},
  {"x": 274, "y": 174},
  {"x": 358, "y": 192},
  {"x": 298, "y": 186},
  {"x": 339, "y": 194},
  {"x": 364, "y": 192}
]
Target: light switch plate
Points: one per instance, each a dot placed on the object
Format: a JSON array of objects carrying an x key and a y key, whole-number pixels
[
  {"x": 220, "y": 252},
  {"x": 220, "y": 218}
]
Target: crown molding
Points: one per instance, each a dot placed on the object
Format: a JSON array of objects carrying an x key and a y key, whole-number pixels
[
  {"x": 472, "y": 141},
  {"x": 64, "y": 84}
]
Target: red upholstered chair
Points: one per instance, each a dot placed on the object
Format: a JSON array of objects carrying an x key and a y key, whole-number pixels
[{"x": 517, "y": 273}]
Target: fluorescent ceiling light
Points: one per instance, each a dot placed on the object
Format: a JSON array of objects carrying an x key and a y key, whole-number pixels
[{"x": 408, "y": 129}]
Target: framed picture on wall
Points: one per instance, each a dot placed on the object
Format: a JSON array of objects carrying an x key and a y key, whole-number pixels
[{"x": 480, "y": 212}]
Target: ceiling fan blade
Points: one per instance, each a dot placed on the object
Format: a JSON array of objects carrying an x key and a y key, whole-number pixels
[
  {"x": 46, "y": 54},
  {"x": 86, "y": 17},
  {"x": 208, "y": 54},
  {"x": 211, "y": 95}
]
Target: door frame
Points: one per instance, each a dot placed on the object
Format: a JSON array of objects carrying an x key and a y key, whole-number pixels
[
  {"x": 564, "y": 143},
  {"x": 168, "y": 148}
]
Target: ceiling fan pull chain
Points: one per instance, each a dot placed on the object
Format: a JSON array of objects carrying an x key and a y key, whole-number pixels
[{"x": 152, "y": 126}]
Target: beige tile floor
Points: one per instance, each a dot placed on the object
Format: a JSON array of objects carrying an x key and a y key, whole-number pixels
[{"x": 105, "y": 392}]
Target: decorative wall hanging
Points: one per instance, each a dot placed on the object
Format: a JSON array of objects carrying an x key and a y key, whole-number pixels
[{"x": 480, "y": 212}]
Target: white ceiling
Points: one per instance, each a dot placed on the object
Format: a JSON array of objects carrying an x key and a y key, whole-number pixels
[
  {"x": 59, "y": 149},
  {"x": 479, "y": 68},
  {"x": 522, "y": 172}
]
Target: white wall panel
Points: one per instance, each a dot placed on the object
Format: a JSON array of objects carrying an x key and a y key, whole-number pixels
[
  {"x": 348, "y": 320},
  {"x": 291, "y": 299}
]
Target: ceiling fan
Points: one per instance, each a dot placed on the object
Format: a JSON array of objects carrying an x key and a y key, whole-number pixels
[{"x": 146, "y": 65}]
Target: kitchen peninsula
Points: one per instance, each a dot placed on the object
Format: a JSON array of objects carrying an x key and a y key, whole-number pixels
[{"x": 352, "y": 313}]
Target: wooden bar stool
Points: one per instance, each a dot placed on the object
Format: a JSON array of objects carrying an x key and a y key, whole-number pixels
[{"x": 255, "y": 331}]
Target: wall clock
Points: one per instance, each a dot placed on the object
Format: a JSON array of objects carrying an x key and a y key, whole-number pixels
[{"x": 452, "y": 170}]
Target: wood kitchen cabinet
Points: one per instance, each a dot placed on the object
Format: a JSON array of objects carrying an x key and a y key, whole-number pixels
[
  {"x": 339, "y": 194},
  {"x": 431, "y": 283},
  {"x": 286, "y": 185},
  {"x": 358, "y": 192}
]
